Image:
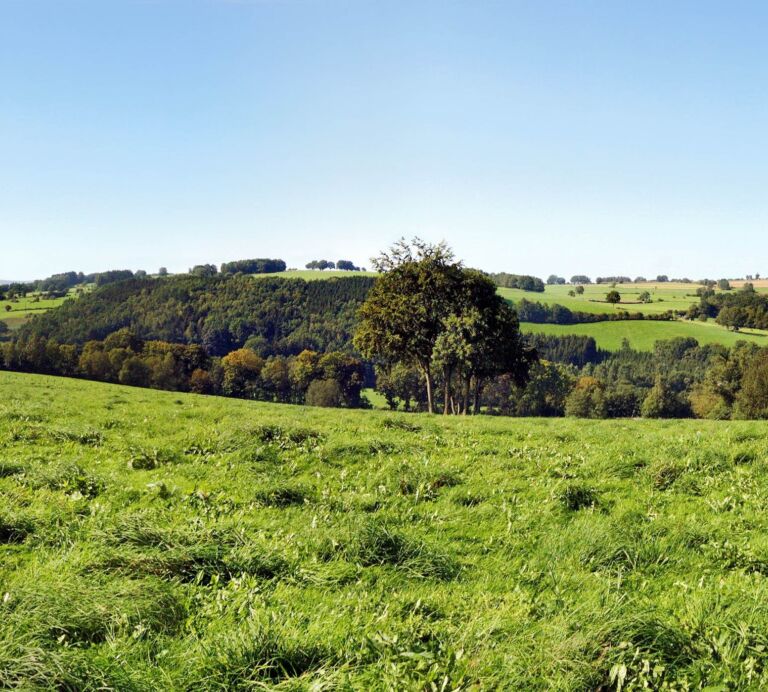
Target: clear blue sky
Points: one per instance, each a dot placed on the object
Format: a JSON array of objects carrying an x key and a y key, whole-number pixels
[{"x": 536, "y": 137}]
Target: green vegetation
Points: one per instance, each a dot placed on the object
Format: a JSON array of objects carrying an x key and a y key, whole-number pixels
[
  {"x": 154, "y": 540},
  {"x": 664, "y": 296},
  {"x": 22, "y": 308},
  {"x": 314, "y": 275},
  {"x": 643, "y": 334}
]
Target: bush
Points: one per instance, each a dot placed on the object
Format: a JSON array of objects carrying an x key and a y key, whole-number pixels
[{"x": 326, "y": 393}]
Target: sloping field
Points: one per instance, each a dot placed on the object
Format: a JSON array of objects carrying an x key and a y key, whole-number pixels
[
  {"x": 22, "y": 309},
  {"x": 154, "y": 540},
  {"x": 642, "y": 334},
  {"x": 665, "y": 296},
  {"x": 312, "y": 275}
]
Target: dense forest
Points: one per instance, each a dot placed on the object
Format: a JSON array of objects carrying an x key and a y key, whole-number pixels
[{"x": 220, "y": 313}]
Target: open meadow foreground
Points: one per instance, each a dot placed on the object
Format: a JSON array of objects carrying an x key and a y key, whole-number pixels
[{"x": 156, "y": 540}]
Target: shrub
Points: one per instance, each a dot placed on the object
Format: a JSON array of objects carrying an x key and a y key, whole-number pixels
[{"x": 326, "y": 393}]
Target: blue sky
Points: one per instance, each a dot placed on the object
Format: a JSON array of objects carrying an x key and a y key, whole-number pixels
[{"x": 537, "y": 137}]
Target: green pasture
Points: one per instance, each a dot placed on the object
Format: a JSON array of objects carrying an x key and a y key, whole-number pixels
[
  {"x": 665, "y": 296},
  {"x": 153, "y": 540},
  {"x": 642, "y": 334},
  {"x": 22, "y": 308},
  {"x": 311, "y": 275}
]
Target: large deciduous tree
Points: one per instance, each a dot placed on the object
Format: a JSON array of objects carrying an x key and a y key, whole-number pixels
[{"x": 427, "y": 310}]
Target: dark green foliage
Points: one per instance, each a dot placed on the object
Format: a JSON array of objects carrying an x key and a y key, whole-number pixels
[
  {"x": 254, "y": 266},
  {"x": 520, "y": 281},
  {"x": 572, "y": 349},
  {"x": 545, "y": 313},
  {"x": 378, "y": 543},
  {"x": 575, "y": 497},
  {"x": 218, "y": 312}
]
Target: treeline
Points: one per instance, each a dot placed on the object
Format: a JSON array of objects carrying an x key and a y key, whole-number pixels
[
  {"x": 61, "y": 283},
  {"x": 521, "y": 281},
  {"x": 319, "y": 379},
  {"x": 322, "y": 265},
  {"x": 254, "y": 266},
  {"x": 222, "y": 313},
  {"x": 544, "y": 313},
  {"x": 736, "y": 310},
  {"x": 572, "y": 377}
]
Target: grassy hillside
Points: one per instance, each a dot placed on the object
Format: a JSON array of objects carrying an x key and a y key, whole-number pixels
[
  {"x": 312, "y": 275},
  {"x": 642, "y": 334},
  {"x": 152, "y": 540},
  {"x": 665, "y": 296},
  {"x": 22, "y": 309}
]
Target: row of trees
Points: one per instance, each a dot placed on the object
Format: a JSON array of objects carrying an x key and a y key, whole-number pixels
[
  {"x": 679, "y": 379},
  {"x": 524, "y": 282},
  {"x": 254, "y": 266},
  {"x": 343, "y": 265},
  {"x": 63, "y": 282},
  {"x": 545, "y": 313},
  {"x": 322, "y": 379}
]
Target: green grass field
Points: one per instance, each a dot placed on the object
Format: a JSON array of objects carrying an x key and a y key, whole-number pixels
[
  {"x": 666, "y": 296},
  {"x": 22, "y": 309},
  {"x": 312, "y": 275},
  {"x": 642, "y": 334},
  {"x": 153, "y": 540}
]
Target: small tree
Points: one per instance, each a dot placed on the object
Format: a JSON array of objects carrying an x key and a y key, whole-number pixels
[
  {"x": 579, "y": 290},
  {"x": 613, "y": 297}
]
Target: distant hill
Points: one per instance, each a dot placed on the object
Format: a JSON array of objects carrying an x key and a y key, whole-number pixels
[{"x": 221, "y": 313}]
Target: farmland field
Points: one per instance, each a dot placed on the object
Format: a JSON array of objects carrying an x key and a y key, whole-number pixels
[
  {"x": 665, "y": 296},
  {"x": 22, "y": 309},
  {"x": 153, "y": 540},
  {"x": 642, "y": 334},
  {"x": 312, "y": 275}
]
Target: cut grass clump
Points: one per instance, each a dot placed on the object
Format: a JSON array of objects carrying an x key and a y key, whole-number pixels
[
  {"x": 88, "y": 438},
  {"x": 378, "y": 543},
  {"x": 188, "y": 556},
  {"x": 148, "y": 459},
  {"x": 575, "y": 497},
  {"x": 15, "y": 529},
  {"x": 261, "y": 658},
  {"x": 84, "y": 611},
  {"x": 283, "y": 496},
  {"x": 666, "y": 474},
  {"x": 400, "y": 424},
  {"x": 8, "y": 469},
  {"x": 643, "y": 651},
  {"x": 425, "y": 484},
  {"x": 288, "y": 439},
  {"x": 69, "y": 477}
]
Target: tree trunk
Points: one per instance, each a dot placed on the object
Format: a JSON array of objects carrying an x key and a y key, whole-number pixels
[
  {"x": 465, "y": 410},
  {"x": 428, "y": 380},
  {"x": 446, "y": 391},
  {"x": 476, "y": 403}
]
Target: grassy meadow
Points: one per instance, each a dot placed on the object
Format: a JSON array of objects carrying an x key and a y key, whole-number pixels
[
  {"x": 24, "y": 308},
  {"x": 665, "y": 296},
  {"x": 642, "y": 334},
  {"x": 314, "y": 274},
  {"x": 153, "y": 540}
]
